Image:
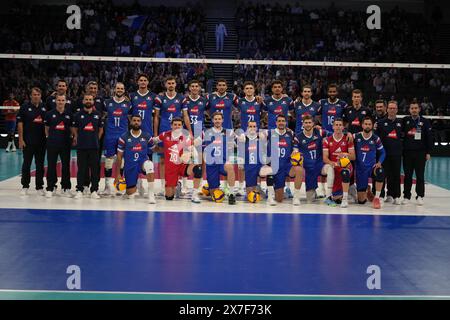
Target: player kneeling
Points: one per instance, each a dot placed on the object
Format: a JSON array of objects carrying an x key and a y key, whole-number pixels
[
  {"x": 368, "y": 146},
  {"x": 178, "y": 153},
  {"x": 338, "y": 150},
  {"x": 133, "y": 148},
  {"x": 280, "y": 150}
]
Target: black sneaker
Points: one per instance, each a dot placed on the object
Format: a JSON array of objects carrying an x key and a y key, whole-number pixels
[{"x": 231, "y": 199}]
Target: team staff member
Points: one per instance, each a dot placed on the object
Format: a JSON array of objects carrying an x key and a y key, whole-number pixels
[
  {"x": 61, "y": 89},
  {"x": 32, "y": 140},
  {"x": 380, "y": 110},
  {"x": 416, "y": 151},
  {"x": 354, "y": 115},
  {"x": 390, "y": 131},
  {"x": 87, "y": 128},
  {"x": 57, "y": 129}
]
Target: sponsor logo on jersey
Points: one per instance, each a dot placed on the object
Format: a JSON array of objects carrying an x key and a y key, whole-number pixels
[
  {"x": 142, "y": 105},
  {"x": 89, "y": 127},
  {"x": 365, "y": 148},
  {"x": 332, "y": 111},
  {"x": 412, "y": 132},
  {"x": 117, "y": 113},
  {"x": 282, "y": 143},
  {"x": 194, "y": 109},
  {"x": 60, "y": 126},
  {"x": 278, "y": 110},
  {"x": 172, "y": 108},
  {"x": 356, "y": 122},
  {"x": 312, "y": 145},
  {"x": 38, "y": 119},
  {"x": 137, "y": 147},
  {"x": 251, "y": 110},
  {"x": 220, "y": 105},
  {"x": 252, "y": 148}
]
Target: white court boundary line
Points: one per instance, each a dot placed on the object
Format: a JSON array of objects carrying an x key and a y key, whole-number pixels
[
  {"x": 225, "y": 61},
  {"x": 230, "y": 294}
]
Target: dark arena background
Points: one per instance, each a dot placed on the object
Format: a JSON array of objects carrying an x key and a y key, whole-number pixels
[{"x": 377, "y": 228}]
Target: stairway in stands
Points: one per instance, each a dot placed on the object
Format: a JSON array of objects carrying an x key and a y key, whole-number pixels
[
  {"x": 443, "y": 38},
  {"x": 216, "y": 13}
]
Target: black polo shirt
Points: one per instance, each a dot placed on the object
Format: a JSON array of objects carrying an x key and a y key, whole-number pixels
[
  {"x": 354, "y": 118},
  {"x": 59, "y": 128},
  {"x": 88, "y": 125},
  {"x": 32, "y": 118},
  {"x": 391, "y": 135},
  {"x": 50, "y": 103},
  {"x": 412, "y": 129}
]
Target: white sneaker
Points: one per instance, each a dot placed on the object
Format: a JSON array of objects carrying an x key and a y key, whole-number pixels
[
  {"x": 7, "y": 149},
  {"x": 66, "y": 193},
  {"x": 94, "y": 195},
  {"x": 151, "y": 198},
  {"x": 24, "y": 192},
  {"x": 272, "y": 201},
  {"x": 344, "y": 203},
  {"x": 130, "y": 196},
  {"x": 49, "y": 194},
  {"x": 419, "y": 201},
  {"x": 389, "y": 199},
  {"x": 320, "y": 192},
  {"x": 352, "y": 192},
  {"x": 195, "y": 198},
  {"x": 296, "y": 201},
  {"x": 405, "y": 201},
  {"x": 141, "y": 188},
  {"x": 86, "y": 191},
  {"x": 397, "y": 201},
  {"x": 240, "y": 192},
  {"x": 78, "y": 195},
  {"x": 13, "y": 149},
  {"x": 41, "y": 192}
]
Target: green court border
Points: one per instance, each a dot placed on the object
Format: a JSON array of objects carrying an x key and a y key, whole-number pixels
[{"x": 102, "y": 295}]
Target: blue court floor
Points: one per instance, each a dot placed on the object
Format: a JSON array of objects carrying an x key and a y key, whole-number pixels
[{"x": 179, "y": 250}]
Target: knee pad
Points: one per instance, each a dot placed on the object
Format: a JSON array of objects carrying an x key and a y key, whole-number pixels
[
  {"x": 109, "y": 163},
  {"x": 197, "y": 171},
  {"x": 345, "y": 174},
  {"x": 148, "y": 167},
  {"x": 170, "y": 198},
  {"x": 270, "y": 181},
  {"x": 379, "y": 174},
  {"x": 362, "y": 202},
  {"x": 265, "y": 171}
]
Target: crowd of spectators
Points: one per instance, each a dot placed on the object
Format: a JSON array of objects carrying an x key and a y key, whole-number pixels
[
  {"x": 273, "y": 31},
  {"x": 164, "y": 31}
]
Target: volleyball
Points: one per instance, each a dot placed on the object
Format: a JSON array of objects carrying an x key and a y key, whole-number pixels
[
  {"x": 218, "y": 195},
  {"x": 344, "y": 162},
  {"x": 205, "y": 190},
  {"x": 297, "y": 159},
  {"x": 120, "y": 185},
  {"x": 253, "y": 197}
]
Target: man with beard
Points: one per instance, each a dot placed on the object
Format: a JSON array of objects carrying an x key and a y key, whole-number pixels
[
  {"x": 87, "y": 128},
  {"x": 331, "y": 108},
  {"x": 370, "y": 155},
  {"x": 134, "y": 149},
  {"x": 118, "y": 109}
]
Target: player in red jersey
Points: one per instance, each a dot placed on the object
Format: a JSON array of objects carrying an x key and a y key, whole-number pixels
[
  {"x": 178, "y": 148},
  {"x": 10, "y": 121},
  {"x": 335, "y": 147}
]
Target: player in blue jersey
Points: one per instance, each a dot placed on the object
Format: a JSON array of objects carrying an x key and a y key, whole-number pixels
[
  {"x": 196, "y": 106},
  {"x": 219, "y": 143},
  {"x": 142, "y": 103},
  {"x": 133, "y": 148},
  {"x": 305, "y": 106},
  {"x": 309, "y": 144},
  {"x": 250, "y": 110},
  {"x": 118, "y": 109},
  {"x": 280, "y": 143},
  {"x": 168, "y": 106},
  {"x": 277, "y": 104},
  {"x": 370, "y": 154},
  {"x": 223, "y": 102},
  {"x": 331, "y": 108}
]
